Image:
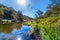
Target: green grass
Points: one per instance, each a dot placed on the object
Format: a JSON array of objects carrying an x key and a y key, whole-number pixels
[{"x": 49, "y": 27}]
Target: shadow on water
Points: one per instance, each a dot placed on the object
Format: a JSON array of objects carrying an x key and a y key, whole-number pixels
[{"x": 9, "y": 27}]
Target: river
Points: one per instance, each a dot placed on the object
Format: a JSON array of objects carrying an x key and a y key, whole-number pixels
[{"x": 15, "y": 31}]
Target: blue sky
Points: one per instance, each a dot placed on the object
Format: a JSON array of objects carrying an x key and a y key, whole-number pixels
[{"x": 30, "y": 9}]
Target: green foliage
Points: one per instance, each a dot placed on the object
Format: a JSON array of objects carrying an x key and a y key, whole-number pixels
[
  {"x": 49, "y": 27},
  {"x": 9, "y": 13}
]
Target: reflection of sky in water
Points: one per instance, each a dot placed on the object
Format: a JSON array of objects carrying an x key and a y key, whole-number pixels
[{"x": 17, "y": 34}]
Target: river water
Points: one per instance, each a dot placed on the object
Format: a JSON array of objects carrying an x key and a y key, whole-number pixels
[{"x": 15, "y": 32}]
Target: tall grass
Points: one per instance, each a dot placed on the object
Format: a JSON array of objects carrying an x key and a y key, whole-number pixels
[{"x": 49, "y": 27}]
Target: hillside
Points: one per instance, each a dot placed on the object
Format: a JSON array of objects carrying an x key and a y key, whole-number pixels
[
  {"x": 48, "y": 25},
  {"x": 9, "y": 13},
  {"x": 27, "y": 18}
]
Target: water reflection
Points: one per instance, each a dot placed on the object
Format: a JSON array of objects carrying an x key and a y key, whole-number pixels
[
  {"x": 9, "y": 27},
  {"x": 21, "y": 34}
]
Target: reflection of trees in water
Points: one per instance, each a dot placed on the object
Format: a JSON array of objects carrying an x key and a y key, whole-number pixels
[{"x": 9, "y": 27}]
